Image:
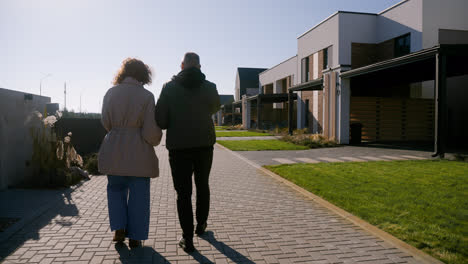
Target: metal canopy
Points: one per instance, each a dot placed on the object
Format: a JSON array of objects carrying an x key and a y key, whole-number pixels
[
  {"x": 271, "y": 98},
  {"x": 308, "y": 86},
  {"x": 423, "y": 55}
]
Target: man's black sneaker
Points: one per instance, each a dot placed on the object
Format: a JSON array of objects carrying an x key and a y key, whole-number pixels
[
  {"x": 200, "y": 229},
  {"x": 187, "y": 245}
]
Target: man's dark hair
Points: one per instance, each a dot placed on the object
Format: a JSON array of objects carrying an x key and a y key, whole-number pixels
[{"x": 191, "y": 59}]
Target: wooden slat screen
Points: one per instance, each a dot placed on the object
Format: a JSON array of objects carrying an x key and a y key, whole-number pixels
[{"x": 393, "y": 119}]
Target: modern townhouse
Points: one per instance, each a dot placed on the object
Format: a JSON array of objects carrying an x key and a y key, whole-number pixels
[{"x": 388, "y": 73}]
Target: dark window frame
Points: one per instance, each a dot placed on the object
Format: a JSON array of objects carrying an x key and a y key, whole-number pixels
[
  {"x": 402, "y": 45},
  {"x": 305, "y": 69},
  {"x": 325, "y": 58}
]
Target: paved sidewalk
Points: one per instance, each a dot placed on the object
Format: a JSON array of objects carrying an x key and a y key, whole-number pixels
[{"x": 254, "y": 219}]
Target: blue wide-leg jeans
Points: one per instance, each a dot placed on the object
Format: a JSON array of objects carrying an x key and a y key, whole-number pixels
[{"x": 129, "y": 205}]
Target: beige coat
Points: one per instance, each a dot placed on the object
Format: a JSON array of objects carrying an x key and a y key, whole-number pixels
[{"x": 128, "y": 116}]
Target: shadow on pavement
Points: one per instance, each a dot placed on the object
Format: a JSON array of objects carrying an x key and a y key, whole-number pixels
[
  {"x": 200, "y": 258},
  {"x": 38, "y": 209},
  {"x": 229, "y": 252},
  {"x": 139, "y": 255}
]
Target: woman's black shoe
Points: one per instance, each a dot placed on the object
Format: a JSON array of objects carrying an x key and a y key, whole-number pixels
[
  {"x": 119, "y": 236},
  {"x": 134, "y": 243}
]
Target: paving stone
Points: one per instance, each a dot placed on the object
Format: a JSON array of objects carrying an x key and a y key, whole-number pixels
[{"x": 253, "y": 219}]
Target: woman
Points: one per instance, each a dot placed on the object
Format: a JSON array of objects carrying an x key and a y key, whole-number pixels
[{"x": 127, "y": 154}]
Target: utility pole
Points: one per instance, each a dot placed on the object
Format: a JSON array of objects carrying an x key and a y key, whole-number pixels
[
  {"x": 81, "y": 95},
  {"x": 65, "y": 96},
  {"x": 40, "y": 82}
]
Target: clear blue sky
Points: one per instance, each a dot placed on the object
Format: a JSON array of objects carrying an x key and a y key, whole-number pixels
[{"x": 83, "y": 42}]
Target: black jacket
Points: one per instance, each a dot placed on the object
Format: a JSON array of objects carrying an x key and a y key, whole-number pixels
[{"x": 185, "y": 107}]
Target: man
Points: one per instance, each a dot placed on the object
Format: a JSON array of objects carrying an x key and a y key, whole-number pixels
[{"x": 184, "y": 108}]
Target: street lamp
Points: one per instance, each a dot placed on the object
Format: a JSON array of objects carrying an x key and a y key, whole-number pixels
[{"x": 40, "y": 83}]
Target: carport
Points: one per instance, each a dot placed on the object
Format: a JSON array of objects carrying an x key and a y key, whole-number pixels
[
  {"x": 314, "y": 85},
  {"x": 447, "y": 66},
  {"x": 257, "y": 102}
]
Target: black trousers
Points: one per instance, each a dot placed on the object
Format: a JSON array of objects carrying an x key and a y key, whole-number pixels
[{"x": 184, "y": 163}]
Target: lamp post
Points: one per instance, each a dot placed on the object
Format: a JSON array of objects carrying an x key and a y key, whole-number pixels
[{"x": 40, "y": 83}]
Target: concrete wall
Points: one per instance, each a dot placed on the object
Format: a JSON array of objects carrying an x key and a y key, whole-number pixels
[
  {"x": 360, "y": 28},
  {"x": 17, "y": 117},
  {"x": 237, "y": 88},
  {"x": 404, "y": 17},
  {"x": 321, "y": 36},
  {"x": 280, "y": 71},
  {"x": 449, "y": 36},
  {"x": 438, "y": 14}
]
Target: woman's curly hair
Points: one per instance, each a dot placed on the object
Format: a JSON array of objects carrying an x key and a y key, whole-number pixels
[{"x": 134, "y": 68}]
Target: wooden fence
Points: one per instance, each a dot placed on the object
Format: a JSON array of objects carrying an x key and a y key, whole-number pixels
[{"x": 393, "y": 119}]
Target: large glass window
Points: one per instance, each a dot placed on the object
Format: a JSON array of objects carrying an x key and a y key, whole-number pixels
[{"x": 402, "y": 45}]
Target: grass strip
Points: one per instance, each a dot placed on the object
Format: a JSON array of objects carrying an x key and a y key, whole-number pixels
[
  {"x": 254, "y": 145},
  {"x": 240, "y": 134},
  {"x": 424, "y": 203}
]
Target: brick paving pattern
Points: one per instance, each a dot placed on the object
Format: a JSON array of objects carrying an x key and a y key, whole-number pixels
[{"x": 253, "y": 219}]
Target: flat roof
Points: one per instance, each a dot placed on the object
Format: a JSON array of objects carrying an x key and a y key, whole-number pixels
[
  {"x": 331, "y": 16},
  {"x": 278, "y": 64},
  {"x": 393, "y": 6}
]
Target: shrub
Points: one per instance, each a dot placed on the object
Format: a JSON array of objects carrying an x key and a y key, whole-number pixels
[
  {"x": 236, "y": 127},
  {"x": 311, "y": 141},
  {"x": 55, "y": 161},
  {"x": 91, "y": 164}
]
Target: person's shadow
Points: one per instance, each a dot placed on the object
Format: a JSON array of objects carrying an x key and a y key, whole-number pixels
[
  {"x": 229, "y": 252},
  {"x": 139, "y": 255},
  {"x": 149, "y": 255}
]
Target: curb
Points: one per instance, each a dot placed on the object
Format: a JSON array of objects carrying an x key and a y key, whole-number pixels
[{"x": 414, "y": 252}]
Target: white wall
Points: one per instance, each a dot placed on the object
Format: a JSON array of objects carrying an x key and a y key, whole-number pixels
[
  {"x": 448, "y": 14},
  {"x": 320, "y": 37},
  {"x": 404, "y": 17},
  {"x": 16, "y": 144},
  {"x": 361, "y": 28},
  {"x": 280, "y": 71}
]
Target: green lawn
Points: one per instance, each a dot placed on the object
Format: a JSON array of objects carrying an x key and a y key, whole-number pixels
[
  {"x": 240, "y": 134},
  {"x": 239, "y": 145},
  {"x": 424, "y": 203}
]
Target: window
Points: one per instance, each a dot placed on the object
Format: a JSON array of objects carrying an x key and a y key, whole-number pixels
[
  {"x": 402, "y": 45},
  {"x": 325, "y": 58},
  {"x": 305, "y": 69},
  {"x": 307, "y": 113}
]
